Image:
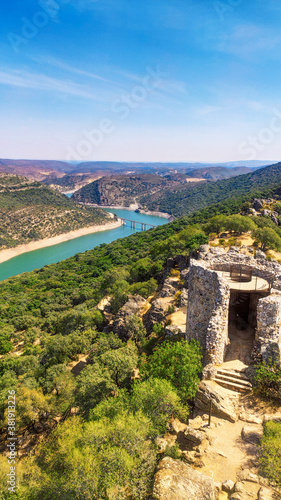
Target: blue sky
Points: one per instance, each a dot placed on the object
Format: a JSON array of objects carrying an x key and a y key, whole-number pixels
[{"x": 139, "y": 80}]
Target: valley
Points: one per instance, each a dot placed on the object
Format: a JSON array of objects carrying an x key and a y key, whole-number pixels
[{"x": 31, "y": 211}]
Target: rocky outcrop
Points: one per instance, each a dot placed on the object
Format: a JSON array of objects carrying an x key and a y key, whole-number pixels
[
  {"x": 193, "y": 437},
  {"x": 252, "y": 434},
  {"x": 176, "y": 480},
  {"x": 133, "y": 307},
  {"x": 224, "y": 401},
  {"x": 170, "y": 287},
  {"x": 156, "y": 314}
]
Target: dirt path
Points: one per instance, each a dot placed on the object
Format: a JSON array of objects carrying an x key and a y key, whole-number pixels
[{"x": 227, "y": 453}]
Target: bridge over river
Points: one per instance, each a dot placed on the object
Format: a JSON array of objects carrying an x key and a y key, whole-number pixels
[{"x": 134, "y": 224}]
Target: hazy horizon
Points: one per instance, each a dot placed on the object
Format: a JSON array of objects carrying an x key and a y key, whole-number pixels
[{"x": 85, "y": 80}]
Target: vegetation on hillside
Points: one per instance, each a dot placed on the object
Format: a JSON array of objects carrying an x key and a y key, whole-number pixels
[
  {"x": 123, "y": 190},
  {"x": 30, "y": 211},
  {"x": 127, "y": 391},
  {"x": 186, "y": 201}
]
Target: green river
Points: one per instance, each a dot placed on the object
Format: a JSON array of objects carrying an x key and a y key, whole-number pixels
[{"x": 38, "y": 258}]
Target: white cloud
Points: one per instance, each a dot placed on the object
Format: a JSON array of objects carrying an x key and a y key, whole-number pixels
[{"x": 24, "y": 79}]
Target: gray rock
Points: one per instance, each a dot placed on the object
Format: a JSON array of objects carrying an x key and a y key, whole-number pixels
[
  {"x": 156, "y": 314},
  {"x": 248, "y": 475},
  {"x": 161, "y": 443},
  {"x": 228, "y": 486},
  {"x": 172, "y": 330},
  {"x": 184, "y": 298},
  {"x": 266, "y": 494},
  {"x": 239, "y": 487},
  {"x": 193, "y": 437},
  {"x": 258, "y": 204},
  {"x": 170, "y": 287},
  {"x": 176, "y": 480},
  {"x": 252, "y": 434},
  {"x": 236, "y": 496},
  {"x": 266, "y": 213},
  {"x": 131, "y": 308},
  {"x": 274, "y": 218},
  {"x": 224, "y": 401},
  {"x": 184, "y": 277}
]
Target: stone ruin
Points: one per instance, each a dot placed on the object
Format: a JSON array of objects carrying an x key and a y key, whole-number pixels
[{"x": 234, "y": 299}]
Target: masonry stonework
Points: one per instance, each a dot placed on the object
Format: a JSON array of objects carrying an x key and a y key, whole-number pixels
[
  {"x": 207, "y": 312},
  {"x": 268, "y": 334},
  {"x": 209, "y": 296}
]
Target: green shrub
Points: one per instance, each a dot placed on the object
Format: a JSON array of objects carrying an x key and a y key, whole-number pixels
[
  {"x": 268, "y": 380},
  {"x": 270, "y": 459},
  {"x": 180, "y": 363}
]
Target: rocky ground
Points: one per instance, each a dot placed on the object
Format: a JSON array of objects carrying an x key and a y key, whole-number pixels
[{"x": 218, "y": 461}]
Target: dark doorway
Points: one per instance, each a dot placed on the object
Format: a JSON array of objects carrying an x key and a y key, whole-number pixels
[{"x": 241, "y": 326}]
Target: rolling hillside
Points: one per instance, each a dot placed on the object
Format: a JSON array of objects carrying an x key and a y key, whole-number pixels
[
  {"x": 123, "y": 190},
  {"x": 31, "y": 211},
  {"x": 186, "y": 201}
]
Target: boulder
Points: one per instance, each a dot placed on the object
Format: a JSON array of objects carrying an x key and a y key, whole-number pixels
[
  {"x": 184, "y": 277},
  {"x": 156, "y": 314},
  {"x": 266, "y": 213},
  {"x": 258, "y": 204},
  {"x": 161, "y": 444},
  {"x": 172, "y": 330},
  {"x": 193, "y": 437},
  {"x": 248, "y": 475},
  {"x": 170, "y": 287},
  {"x": 266, "y": 494},
  {"x": 224, "y": 401},
  {"x": 175, "y": 426},
  {"x": 176, "y": 480},
  {"x": 239, "y": 487},
  {"x": 237, "y": 496},
  {"x": 184, "y": 298},
  {"x": 252, "y": 434},
  {"x": 274, "y": 217},
  {"x": 227, "y": 486},
  {"x": 132, "y": 308}
]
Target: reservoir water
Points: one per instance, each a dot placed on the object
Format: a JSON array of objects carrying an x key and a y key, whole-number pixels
[{"x": 38, "y": 258}]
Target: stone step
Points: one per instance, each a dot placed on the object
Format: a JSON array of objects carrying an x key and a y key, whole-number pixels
[
  {"x": 232, "y": 374},
  {"x": 234, "y": 386},
  {"x": 228, "y": 378}
]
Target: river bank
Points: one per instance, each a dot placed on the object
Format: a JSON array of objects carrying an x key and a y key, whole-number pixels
[
  {"x": 131, "y": 208},
  {"x": 9, "y": 253}
]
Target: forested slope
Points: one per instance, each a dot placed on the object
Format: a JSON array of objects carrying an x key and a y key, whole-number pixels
[
  {"x": 186, "y": 201},
  {"x": 31, "y": 211}
]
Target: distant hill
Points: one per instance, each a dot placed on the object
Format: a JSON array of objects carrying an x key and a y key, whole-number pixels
[
  {"x": 218, "y": 173},
  {"x": 124, "y": 190},
  {"x": 31, "y": 211},
  {"x": 186, "y": 201},
  {"x": 127, "y": 189}
]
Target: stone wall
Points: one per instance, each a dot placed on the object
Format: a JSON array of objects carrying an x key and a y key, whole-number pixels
[
  {"x": 207, "y": 311},
  {"x": 268, "y": 334},
  {"x": 208, "y": 303},
  {"x": 218, "y": 259}
]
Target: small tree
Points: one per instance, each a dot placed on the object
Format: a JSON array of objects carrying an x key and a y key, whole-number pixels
[
  {"x": 216, "y": 224},
  {"x": 158, "y": 400},
  {"x": 180, "y": 363},
  {"x": 239, "y": 224},
  {"x": 267, "y": 238}
]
